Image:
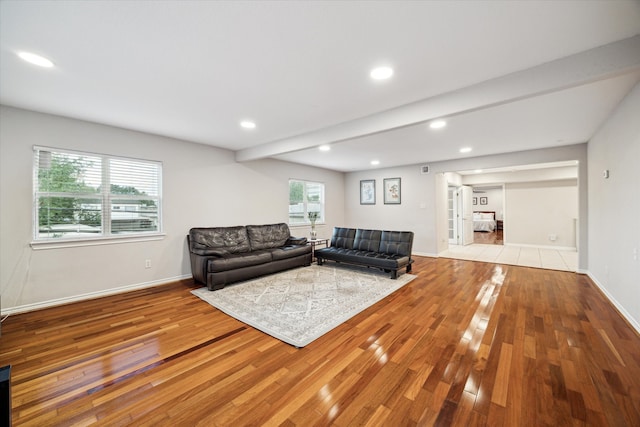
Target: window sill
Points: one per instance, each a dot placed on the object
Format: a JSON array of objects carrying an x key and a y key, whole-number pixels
[{"x": 96, "y": 241}]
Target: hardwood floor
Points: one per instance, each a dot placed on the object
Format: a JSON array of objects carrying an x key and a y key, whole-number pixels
[
  {"x": 466, "y": 343},
  {"x": 486, "y": 238}
]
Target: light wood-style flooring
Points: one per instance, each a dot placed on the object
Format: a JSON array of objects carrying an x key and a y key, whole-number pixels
[{"x": 465, "y": 344}]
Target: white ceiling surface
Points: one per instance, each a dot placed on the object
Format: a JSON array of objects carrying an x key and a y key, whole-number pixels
[
  {"x": 568, "y": 164},
  {"x": 193, "y": 70}
]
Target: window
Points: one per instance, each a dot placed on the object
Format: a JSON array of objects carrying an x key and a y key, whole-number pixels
[
  {"x": 305, "y": 197},
  {"x": 84, "y": 196}
]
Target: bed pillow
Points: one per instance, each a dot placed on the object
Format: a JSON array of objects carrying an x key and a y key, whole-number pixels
[
  {"x": 476, "y": 215},
  {"x": 486, "y": 216}
]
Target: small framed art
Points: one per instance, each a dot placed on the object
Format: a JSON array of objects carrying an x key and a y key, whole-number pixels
[
  {"x": 475, "y": 200},
  {"x": 483, "y": 200},
  {"x": 392, "y": 191},
  {"x": 368, "y": 192}
]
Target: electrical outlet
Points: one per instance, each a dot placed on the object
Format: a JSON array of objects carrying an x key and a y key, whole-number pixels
[{"x": 147, "y": 263}]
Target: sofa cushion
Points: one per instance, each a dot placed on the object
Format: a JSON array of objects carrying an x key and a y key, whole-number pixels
[
  {"x": 290, "y": 251},
  {"x": 235, "y": 261},
  {"x": 267, "y": 236},
  {"x": 296, "y": 241},
  {"x": 367, "y": 240},
  {"x": 396, "y": 242},
  {"x": 343, "y": 237},
  {"x": 370, "y": 258},
  {"x": 219, "y": 241}
]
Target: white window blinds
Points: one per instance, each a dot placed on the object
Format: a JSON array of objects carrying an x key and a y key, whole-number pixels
[{"x": 86, "y": 195}]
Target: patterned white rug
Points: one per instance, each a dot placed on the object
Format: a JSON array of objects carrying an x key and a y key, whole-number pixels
[{"x": 299, "y": 306}]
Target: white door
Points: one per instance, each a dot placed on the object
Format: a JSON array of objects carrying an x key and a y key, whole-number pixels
[
  {"x": 452, "y": 215},
  {"x": 467, "y": 214}
]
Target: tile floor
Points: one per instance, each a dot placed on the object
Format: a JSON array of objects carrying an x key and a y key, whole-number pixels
[{"x": 515, "y": 255}]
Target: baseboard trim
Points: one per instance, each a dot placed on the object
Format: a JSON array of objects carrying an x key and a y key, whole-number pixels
[
  {"x": 424, "y": 254},
  {"x": 624, "y": 313},
  {"x": 553, "y": 248},
  {"x": 91, "y": 295}
]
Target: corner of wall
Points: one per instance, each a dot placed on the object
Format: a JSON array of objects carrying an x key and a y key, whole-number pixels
[{"x": 619, "y": 307}]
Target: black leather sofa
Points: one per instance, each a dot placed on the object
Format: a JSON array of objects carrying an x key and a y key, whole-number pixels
[
  {"x": 387, "y": 250},
  {"x": 222, "y": 255}
]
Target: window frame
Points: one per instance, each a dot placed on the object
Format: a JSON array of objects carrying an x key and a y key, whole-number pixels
[
  {"x": 305, "y": 202},
  {"x": 105, "y": 197}
]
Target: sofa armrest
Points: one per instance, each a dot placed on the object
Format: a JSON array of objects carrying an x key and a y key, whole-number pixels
[{"x": 296, "y": 241}]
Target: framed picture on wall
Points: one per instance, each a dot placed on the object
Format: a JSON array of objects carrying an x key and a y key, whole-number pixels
[
  {"x": 475, "y": 200},
  {"x": 483, "y": 200},
  {"x": 392, "y": 189},
  {"x": 368, "y": 192}
]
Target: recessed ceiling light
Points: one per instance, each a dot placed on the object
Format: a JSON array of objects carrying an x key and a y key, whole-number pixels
[
  {"x": 34, "y": 59},
  {"x": 465, "y": 149},
  {"x": 437, "y": 124},
  {"x": 478, "y": 171},
  {"x": 381, "y": 73},
  {"x": 324, "y": 148},
  {"x": 375, "y": 162},
  {"x": 247, "y": 124}
]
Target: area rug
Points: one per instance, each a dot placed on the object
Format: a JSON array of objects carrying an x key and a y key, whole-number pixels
[{"x": 299, "y": 306}]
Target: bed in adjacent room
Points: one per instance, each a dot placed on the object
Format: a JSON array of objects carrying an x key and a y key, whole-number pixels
[{"x": 484, "y": 221}]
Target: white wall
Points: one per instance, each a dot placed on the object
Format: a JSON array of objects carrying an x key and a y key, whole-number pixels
[
  {"x": 415, "y": 213},
  {"x": 614, "y": 207},
  {"x": 202, "y": 186},
  {"x": 537, "y": 210}
]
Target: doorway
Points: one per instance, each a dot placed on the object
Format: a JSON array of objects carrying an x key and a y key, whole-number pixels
[
  {"x": 488, "y": 214},
  {"x": 460, "y": 215},
  {"x": 543, "y": 203}
]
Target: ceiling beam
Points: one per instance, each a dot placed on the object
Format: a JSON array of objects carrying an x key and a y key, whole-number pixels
[{"x": 600, "y": 63}]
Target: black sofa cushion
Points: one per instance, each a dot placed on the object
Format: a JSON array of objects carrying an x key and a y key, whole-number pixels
[
  {"x": 219, "y": 241},
  {"x": 372, "y": 259},
  {"x": 234, "y": 261},
  {"x": 289, "y": 251},
  {"x": 396, "y": 242},
  {"x": 367, "y": 240},
  {"x": 343, "y": 237},
  {"x": 267, "y": 236}
]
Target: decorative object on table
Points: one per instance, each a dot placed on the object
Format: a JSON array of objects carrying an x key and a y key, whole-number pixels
[
  {"x": 299, "y": 306},
  {"x": 368, "y": 192},
  {"x": 483, "y": 200},
  {"x": 392, "y": 191},
  {"x": 313, "y": 217}
]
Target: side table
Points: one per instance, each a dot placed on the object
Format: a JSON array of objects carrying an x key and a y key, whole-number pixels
[{"x": 314, "y": 243}]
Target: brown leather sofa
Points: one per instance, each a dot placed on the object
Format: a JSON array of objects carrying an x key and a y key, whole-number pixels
[
  {"x": 223, "y": 255},
  {"x": 387, "y": 250}
]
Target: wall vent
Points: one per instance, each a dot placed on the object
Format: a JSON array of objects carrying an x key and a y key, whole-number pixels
[{"x": 424, "y": 169}]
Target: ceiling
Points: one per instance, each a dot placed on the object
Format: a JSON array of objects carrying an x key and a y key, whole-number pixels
[
  {"x": 517, "y": 168},
  {"x": 507, "y": 76}
]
